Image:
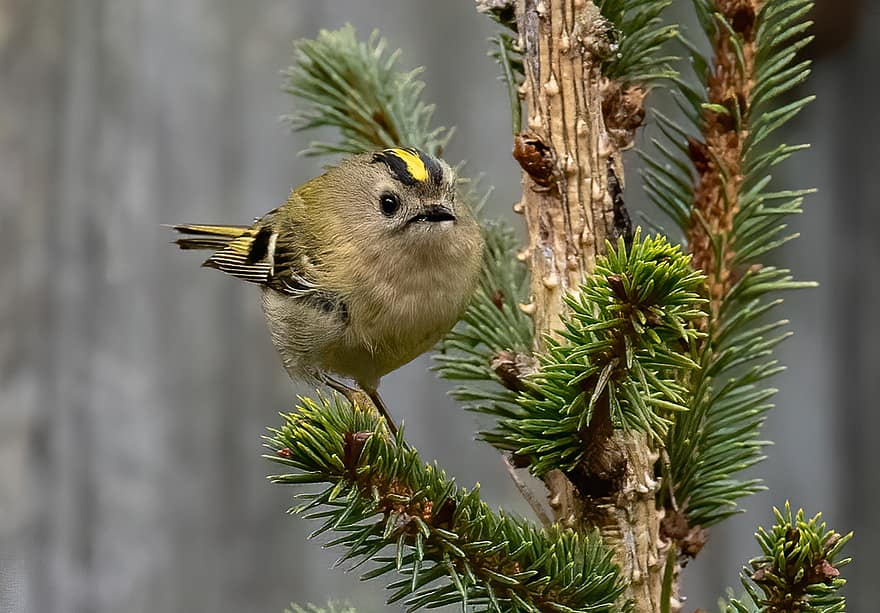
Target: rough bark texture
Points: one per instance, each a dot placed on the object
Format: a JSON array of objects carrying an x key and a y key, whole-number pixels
[
  {"x": 565, "y": 152},
  {"x": 572, "y": 201}
]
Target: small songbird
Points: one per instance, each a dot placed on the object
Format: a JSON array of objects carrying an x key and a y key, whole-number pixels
[{"x": 362, "y": 269}]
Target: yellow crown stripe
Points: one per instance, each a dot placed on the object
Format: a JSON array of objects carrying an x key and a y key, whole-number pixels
[{"x": 414, "y": 164}]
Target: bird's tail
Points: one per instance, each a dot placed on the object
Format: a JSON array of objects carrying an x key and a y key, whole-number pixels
[
  {"x": 197, "y": 236},
  {"x": 245, "y": 252}
]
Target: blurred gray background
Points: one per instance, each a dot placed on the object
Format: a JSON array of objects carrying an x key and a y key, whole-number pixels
[{"x": 134, "y": 386}]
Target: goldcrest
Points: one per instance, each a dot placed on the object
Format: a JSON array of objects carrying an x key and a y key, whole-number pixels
[{"x": 362, "y": 269}]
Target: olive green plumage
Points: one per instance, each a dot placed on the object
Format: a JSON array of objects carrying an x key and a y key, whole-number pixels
[{"x": 362, "y": 269}]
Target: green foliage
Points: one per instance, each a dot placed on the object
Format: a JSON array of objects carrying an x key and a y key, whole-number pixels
[
  {"x": 639, "y": 34},
  {"x": 386, "y": 506},
  {"x": 627, "y": 335},
  {"x": 357, "y": 88},
  {"x": 626, "y": 338},
  {"x": 797, "y": 569},
  {"x": 718, "y": 437},
  {"x": 636, "y": 345}
]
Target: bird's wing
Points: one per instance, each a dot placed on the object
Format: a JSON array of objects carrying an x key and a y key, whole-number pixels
[
  {"x": 272, "y": 253},
  {"x": 296, "y": 272},
  {"x": 276, "y": 256}
]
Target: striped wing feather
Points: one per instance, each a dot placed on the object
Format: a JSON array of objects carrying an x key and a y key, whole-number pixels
[{"x": 249, "y": 253}]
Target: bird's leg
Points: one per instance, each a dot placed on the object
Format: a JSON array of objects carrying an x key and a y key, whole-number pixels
[
  {"x": 351, "y": 394},
  {"x": 380, "y": 405}
]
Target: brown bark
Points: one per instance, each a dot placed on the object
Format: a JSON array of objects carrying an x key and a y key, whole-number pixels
[
  {"x": 578, "y": 121},
  {"x": 565, "y": 151}
]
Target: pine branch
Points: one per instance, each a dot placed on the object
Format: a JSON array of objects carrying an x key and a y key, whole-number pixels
[
  {"x": 506, "y": 51},
  {"x": 721, "y": 200},
  {"x": 637, "y": 365},
  {"x": 639, "y": 33},
  {"x": 626, "y": 338},
  {"x": 617, "y": 349},
  {"x": 387, "y": 506},
  {"x": 798, "y": 569},
  {"x": 357, "y": 88}
]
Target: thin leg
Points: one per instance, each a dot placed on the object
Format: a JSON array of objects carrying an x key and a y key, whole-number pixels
[
  {"x": 351, "y": 394},
  {"x": 380, "y": 404}
]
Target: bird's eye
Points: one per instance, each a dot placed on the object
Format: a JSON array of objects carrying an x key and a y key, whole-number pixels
[{"x": 390, "y": 203}]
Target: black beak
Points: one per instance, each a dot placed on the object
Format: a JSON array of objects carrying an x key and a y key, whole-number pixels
[{"x": 435, "y": 212}]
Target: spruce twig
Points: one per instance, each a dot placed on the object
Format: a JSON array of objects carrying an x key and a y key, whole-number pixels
[
  {"x": 357, "y": 88},
  {"x": 798, "y": 569},
  {"x": 721, "y": 200},
  {"x": 386, "y": 506}
]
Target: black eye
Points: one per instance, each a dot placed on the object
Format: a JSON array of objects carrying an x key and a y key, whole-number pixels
[{"x": 390, "y": 203}]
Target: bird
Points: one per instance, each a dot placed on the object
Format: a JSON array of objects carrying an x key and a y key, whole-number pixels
[{"x": 362, "y": 269}]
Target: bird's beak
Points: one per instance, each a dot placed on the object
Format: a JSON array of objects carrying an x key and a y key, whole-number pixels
[{"x": 433, "y": 213}]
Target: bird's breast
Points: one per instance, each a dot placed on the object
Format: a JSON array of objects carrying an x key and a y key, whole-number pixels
[{"x": 405, "y": 306}]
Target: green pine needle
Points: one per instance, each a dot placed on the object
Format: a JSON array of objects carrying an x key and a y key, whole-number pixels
[
  {"x": 728, "y": 397},
  {"x": 506, "y": 52},
  {"x": 798, "y": 569},
  {"x": 626, "y": 338},
  {"x": 640, "y": 34},
  {"x": 384, "y": 505},
  {"x": 357, "y": 88}
]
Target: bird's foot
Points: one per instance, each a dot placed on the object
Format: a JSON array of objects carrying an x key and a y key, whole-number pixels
[{"x": 356, "y": 397}]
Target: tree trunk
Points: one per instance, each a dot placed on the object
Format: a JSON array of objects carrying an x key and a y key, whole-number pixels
[{"x": 572, "y": 183}]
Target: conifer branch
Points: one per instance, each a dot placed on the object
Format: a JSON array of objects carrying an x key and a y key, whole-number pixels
[
  {"x": 386, "y": 506},
  {"x": 633, "y": 61},
  {"x": 626, "y": 338},
  {"x": 798, "y": 569},
  {"x": 721, "y": 200},
  {"x": 357, "y": 88},
  {"x": 626, "y": 335},
  {"x": 632, "y": 372},
  {"x": 636, "y": 46},
  {"x": 505, "y": 50}
]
